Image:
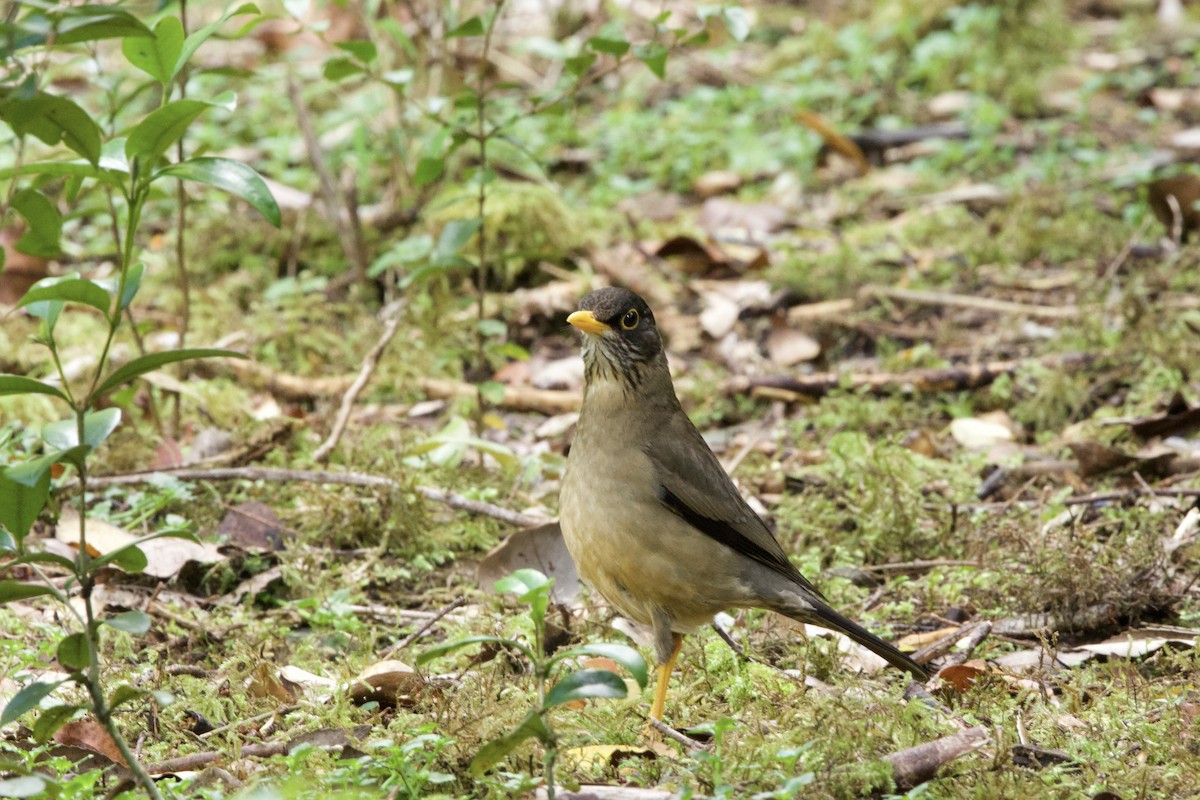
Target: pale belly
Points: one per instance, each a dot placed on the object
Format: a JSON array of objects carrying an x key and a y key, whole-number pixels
[{"x": 642, "y": 558}]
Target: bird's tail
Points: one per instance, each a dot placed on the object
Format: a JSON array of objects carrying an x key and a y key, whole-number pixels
[{"x": 811, "y": 610}]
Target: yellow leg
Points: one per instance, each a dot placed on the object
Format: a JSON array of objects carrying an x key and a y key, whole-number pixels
[{"x": 664, "y": 675}]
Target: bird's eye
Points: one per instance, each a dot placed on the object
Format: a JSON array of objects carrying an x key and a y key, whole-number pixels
[{"x": 630, "y": 320}]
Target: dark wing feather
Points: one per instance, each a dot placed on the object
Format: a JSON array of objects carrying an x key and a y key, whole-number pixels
[{"x": 709, "y": 501}]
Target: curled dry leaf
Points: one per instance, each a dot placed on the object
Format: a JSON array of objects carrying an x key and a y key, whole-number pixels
[
  {"x": 254, "y": 527},
  {"x": 90, "y": 735},
  {"x": 389, "y": 683},
  {"x": 915, "y": 641},
  {"x": 961, "y": 677}
]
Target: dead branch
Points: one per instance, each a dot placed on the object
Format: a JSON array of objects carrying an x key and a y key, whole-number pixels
[
  {"x": 517, "y": 398},
  {"x": 943, "y": 645},
  {"x": 970, "y": 301},
  {"x": 915, "y": 765},
  {"x": 419, "y": 632},
  {"x": 675, "y": 736},
  {"x": 451, "y": 499},
  {"x": 948, "y": 379},
  {"x": 360, "y": 382}
]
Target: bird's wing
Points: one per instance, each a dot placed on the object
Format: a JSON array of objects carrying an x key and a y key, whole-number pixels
[{"x": 709, "y": 501}]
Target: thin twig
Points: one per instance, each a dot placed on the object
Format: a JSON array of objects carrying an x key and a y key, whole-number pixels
[
  {"x": 971, "y": 301},
  {"x": 675, "y": 736},
  {"x": 364, "y": 375},
  {"x": 419, "y": 632},
  {"x": 282, "y": 712},
  {"x": 451, "y": 499}
]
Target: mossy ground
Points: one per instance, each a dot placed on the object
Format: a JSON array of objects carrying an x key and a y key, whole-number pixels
[{"x": 857, "y": 495}]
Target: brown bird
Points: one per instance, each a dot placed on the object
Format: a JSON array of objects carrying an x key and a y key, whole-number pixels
[{"x": 650, "y": 517}]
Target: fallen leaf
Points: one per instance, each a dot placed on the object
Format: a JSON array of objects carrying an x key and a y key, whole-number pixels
[
  {"x": 720, "y": 216},
  {"x": 165, "y": 556},
  {"x": 390, "y": 683},
  {"x": 963, "y": 676},
  {"x": 1139, "y": 643},
  {"x": 542, "y": 548},
  {"x": 1173, "y": 201},
  {"x": 787, "y": 346},
  {"x": 1175, "y": 421},
  {"x": 90, "y": 735},
  {"x": 1032, "y": 757},
  {"x": 264, "y": 684},
  {"x": 1097, "y": 459},
  {"x": 975, "y": 433},
  {"x": 718, "y": 182},
  {"x": 254, "y": 527}
]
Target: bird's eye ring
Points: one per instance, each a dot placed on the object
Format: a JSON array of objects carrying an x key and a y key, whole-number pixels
[{"x": 630, "y": 320}]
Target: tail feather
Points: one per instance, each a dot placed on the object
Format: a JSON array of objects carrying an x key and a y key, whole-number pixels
[{"x": 818, "y": 613}]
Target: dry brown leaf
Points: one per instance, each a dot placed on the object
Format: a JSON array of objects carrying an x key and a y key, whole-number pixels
[
  {"x": 787, "y": 346},
  {"x": 718, "y": 182},
  {"x": 90, "y": 735},
  {"x": 389, "y": 683},
  {"x": 542, "y": 548},
  {"x": 720, "y": 216},
  {"x": 254, "y": 527},
  {"x": 961, "y": 677},
  {"x": 264, "y": 684}
]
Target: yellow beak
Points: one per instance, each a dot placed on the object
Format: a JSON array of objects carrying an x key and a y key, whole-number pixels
[{"x": 586, "y": 321}]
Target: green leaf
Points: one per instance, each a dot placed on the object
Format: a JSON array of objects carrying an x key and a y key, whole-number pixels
[
  {"x": 197, "y": 38},
  {"x": 654, "y": 56},
  {"x": 163, "y": 127},
  {"x": 45, "y": 224},
  {"x": 580, "y": 64},
  {"x": 362, "y": 49},
  {"x": 624, "y": 655},
  {"x": 52, "y": 719},
  {"x": 521, "y": 582},
  {"x": 133, "y": 282},
  {"x": 157, "y": 55},
  {"x": 492, "y": 392},
  {"x": 24, "y": 490},
  {"x": 97, "y": 425},
  {"x": 428, "y": 170},
  {"x": 337, "y": 69},
  {"x": 143, "y": 364},
  {"x": 27, "y": 699},
  {"x": 233, "y": 177},
  {"x": 455, "y": 235},
  {"x": 67, "y": 289},
  {"x": 130, "y": 558},
  {"x": 406, "y": 251},
  {"x": 472, "y": 27},
  {"x": 531, "y": 587},
  {"x": 89, "y": 23},
  {"x": 612, "y": 47},
  {"x": 124, "y": 694},
  {"x": 53, "y": 119},
  {"x": 16, "y": 590},
  {"x": 135, "y": 622},
  {"x": 442, "y": 649},
  {"x": 532, "y": 727},
  {"x": 585, "y": 684},
  {"x": 72, "y": 652},
  {"x": 43, "y": 558},
  {"x": 19, "y": 384}
]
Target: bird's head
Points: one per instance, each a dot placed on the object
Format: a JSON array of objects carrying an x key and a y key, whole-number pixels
[{"x": 620, "y": 339}]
